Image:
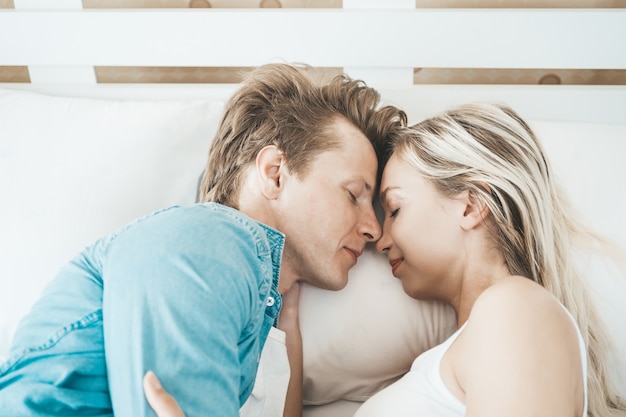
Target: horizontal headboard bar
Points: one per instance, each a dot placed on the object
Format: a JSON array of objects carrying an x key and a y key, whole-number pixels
[
  {"x": 595, "y": 104},
  {"x": 436, "y": 38}
]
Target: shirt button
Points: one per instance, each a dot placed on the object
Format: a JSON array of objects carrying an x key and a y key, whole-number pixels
[{"x": 270, "y": 301}]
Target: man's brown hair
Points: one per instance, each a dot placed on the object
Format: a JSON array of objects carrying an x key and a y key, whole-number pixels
[{"x": 281, "y": 105}]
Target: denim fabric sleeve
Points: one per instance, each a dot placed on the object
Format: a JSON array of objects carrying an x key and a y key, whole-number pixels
[{"x": 184, "y": 294}]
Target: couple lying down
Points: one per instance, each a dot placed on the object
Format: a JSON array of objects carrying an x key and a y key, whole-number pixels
[{"x": 473, "y": 218}]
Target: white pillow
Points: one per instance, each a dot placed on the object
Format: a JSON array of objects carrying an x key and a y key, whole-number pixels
[
  {"x": 339, "y": 408},
  {"x": 74, "y": 169},
  {"x": 358, "y": 340}
]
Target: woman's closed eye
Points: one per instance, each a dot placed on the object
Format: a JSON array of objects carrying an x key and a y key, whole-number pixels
[{"x": 394, "y": 213}]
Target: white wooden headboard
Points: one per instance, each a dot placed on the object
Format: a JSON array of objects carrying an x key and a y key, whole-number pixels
[{"x": 381, "y": 42}]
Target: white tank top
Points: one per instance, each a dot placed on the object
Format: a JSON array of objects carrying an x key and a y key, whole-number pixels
[{"x": 422, "y": 392}]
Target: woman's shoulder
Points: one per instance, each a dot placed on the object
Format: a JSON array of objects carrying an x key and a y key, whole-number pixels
[
  {"x": 518, "y": 308},
  {"x": 515, "y": 297},
  {"x": 518, "y": 334}
]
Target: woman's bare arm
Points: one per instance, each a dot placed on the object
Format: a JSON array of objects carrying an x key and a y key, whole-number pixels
[
  {"x": 163, "y": 404},
  {"x": 289, "y": 324},
  {"x": 520, "y": 354}
]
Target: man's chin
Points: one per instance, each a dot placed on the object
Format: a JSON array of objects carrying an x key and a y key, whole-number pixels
[
  {"x": 335, "y": 283},
  {"x": 338, "y": 282}
]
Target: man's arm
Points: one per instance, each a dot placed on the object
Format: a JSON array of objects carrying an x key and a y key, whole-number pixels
[
  {"x": 164, "y": 405},
  {"x": 181, "y": 297}
]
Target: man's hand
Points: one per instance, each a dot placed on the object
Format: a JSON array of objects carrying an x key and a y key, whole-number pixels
[{"x": 163, "y": 404}]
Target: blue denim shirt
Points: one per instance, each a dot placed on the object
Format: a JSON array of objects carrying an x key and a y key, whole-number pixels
[{"x": 189, "y": 292}]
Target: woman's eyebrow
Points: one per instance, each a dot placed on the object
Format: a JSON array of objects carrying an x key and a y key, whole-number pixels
[{"x": 383, "y": 194}]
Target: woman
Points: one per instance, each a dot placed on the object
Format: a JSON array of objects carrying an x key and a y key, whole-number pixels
[
  {"x": 163, "y": 404},
  {"x": 474, "y": 218}
]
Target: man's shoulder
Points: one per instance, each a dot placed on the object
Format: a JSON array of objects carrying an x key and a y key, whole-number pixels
[{"x": 211, "y": 216}]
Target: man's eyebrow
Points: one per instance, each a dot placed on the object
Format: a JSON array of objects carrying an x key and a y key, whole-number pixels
[{"x": 368, "y": 187}]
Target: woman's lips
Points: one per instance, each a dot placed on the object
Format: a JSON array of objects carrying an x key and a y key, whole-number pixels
[{"x": 395, "y": 263}]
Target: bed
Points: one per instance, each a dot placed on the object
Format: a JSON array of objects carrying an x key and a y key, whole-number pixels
[{"x": 107, "y": 110}]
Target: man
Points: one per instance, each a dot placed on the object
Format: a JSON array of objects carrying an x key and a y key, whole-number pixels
[{"x": 193, "y": 292}]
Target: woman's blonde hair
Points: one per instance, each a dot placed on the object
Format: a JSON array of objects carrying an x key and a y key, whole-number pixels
[
  {"x": 490, "y": 151},
  {"x": 282, "y": 105}
]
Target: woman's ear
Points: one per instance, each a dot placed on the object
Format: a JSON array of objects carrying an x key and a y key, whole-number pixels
[
  {"x": 476, "y": 210},
  {"x": 270, "y": 166}
]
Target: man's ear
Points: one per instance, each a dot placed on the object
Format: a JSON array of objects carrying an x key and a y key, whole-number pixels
[
  {"x": 270, "y": 166},
  {"x": 476, "y": 210}
]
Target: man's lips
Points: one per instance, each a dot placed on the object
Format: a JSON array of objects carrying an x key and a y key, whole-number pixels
[
  {"x": 395, "y": 263},
  {"x": 355, "y": 253}
]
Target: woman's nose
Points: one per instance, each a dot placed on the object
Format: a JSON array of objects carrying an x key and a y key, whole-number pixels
[
  {"x": 371, "y": 229},
  {"x": 384, "y": 243}
]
